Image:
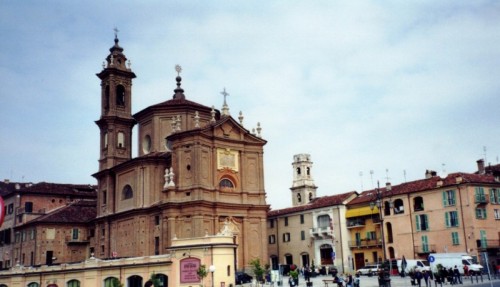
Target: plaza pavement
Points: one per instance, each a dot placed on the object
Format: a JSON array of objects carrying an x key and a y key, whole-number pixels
[{"x": 365, "y": 281}]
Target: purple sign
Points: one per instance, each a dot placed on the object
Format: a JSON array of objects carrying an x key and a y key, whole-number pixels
[{"x": 189, "y": 268}]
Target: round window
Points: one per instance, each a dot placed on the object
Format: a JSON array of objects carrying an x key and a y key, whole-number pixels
[{"x": 146, "y": 144}]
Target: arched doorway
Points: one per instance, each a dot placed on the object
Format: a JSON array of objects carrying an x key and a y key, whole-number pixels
[{"x": 326, "y": 254}]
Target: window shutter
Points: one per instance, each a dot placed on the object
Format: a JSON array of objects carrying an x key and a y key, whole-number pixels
[
  {"x": 445, "y": 199},
  {"x": 447, "y": 219},
  {"x": 417, "y": 222}
]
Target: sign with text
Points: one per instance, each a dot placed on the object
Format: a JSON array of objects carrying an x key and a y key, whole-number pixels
[{"x": 189, "y": 268}]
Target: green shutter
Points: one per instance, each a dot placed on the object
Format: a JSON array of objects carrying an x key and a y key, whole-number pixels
[
  {"x": 452, "y": 194},
  {"x": 445, "y": 199},
  {"x": 447, "y": 219},
  {"x": 417, "y": 222}
]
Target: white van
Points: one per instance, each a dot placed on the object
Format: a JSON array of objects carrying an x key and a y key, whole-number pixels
[{"x": 420, "y": 264}]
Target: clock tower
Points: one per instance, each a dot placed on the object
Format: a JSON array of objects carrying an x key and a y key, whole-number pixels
[
  {"x": 116, "y": 120},
  {"x": 303, "y": 188}
]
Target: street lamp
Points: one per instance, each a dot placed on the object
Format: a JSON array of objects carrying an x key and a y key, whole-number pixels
[
  {"x": 378, "y": 203},
  {"x": 212, "y": 270}
]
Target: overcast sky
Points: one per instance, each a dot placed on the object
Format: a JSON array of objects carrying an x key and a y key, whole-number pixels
[{"x": 392, "y": 87}]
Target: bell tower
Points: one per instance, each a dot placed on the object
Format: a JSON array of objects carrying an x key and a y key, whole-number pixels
[
  {"x": 303, "y": 188},
  {"x": 116, "y": 120}
]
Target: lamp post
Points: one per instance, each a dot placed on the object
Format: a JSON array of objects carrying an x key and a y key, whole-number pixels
[
  {"x": 379, "y": 204},
  {"x": 212, "y": 270}
]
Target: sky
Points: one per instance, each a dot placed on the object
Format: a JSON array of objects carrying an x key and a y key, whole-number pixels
[{"x": 372, "y": 90}]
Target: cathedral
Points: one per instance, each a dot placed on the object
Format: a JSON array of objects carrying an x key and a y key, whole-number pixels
[{"x": 197, "y": 170}]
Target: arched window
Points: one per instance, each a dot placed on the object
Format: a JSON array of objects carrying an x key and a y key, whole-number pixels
[
  {"x": 106, "y": 140},
  {"x": 298, "y": 170},
  {"x": 106, "y": 98},
  {"x": 299, "y": 198},
  {"x": 73, "y": 283},
  {"x": 398, "y": 206},
  {"x": 226, "y": 183},
  {"x": 111, "y": 282},
  {"x": 323, "y": 221},
  {"x": 310, "y": 196},
  {"x": 127, "y": 192},
  {"x": 308, "y": 171},
  {"x": 134, "y": 281},
  {"x": 388, "y": 226},
  {"x": 120, "y": 140},
  {"x": 120, "y": 95},
  {"x": 418, "y": 203}
]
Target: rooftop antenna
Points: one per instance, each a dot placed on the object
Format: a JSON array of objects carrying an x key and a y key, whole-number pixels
[
  {"x": 484, "y": 150},
  {"x": 387, "y": 175},
  {"x": 443, "y": 171},
  {"x": 361, "y": 179},
  {"x": 404, "y": 174},
  {"x": 371, "y": 177}
]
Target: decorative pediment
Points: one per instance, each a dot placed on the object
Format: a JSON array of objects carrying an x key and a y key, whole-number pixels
[{"x": 228, "y": 128}]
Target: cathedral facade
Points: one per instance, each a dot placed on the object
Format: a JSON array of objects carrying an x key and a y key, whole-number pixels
[{"x": 197, "y": 169}]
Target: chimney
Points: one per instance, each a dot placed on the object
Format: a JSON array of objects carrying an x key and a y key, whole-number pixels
[
  {"x": 480, "y": 166},
  {"x": 388, "y": 186},
  {"x": 6, "y": 181},
  {"x": 430, "y": 173}
]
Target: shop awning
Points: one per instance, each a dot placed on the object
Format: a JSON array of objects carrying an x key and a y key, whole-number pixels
[{"x": 361, "y": 211}]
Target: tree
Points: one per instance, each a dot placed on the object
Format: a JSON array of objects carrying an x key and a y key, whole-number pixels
[
  {"x": 257, "y": 269},
  {"x": 202, "y": 272},
  {"x": 116, "y": 283},
  {"x": 155, "y": 280}
]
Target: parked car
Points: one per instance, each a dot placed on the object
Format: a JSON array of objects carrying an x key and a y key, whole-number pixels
[
  {"x": 242, "y": 278},
  {"x": 370, "y": 269}
]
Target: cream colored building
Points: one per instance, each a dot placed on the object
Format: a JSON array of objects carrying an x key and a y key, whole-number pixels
[
  {"x": 313, "y": 229},
  {"x": 178, "y": 267}
]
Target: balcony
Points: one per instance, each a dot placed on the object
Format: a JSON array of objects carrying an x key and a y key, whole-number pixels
[
  {"x": 321, "y": 232},
  {"x": 356, "y": 222},
  {"x": 480, "y": 199},
  {"x": 365, "y": 243},
  {"x": 425, "y": 249},
  {"x": 486, "y": 244},
  {"x": 71, "y": 241}
]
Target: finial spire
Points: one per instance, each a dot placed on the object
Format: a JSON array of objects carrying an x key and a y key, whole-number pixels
[
  {"x": 179, "y": 92},
  {"x": 116, "y": 34},
  {"x": 225, "y": 108}
]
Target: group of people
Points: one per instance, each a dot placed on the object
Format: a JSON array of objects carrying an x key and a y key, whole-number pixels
[{"x": 450, "y": 275}]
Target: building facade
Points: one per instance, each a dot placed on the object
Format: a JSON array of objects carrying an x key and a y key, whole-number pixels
[
  {"x": 197, "y": 169},
  {"x": 459, "y": 212},
  {"x": 30, "y": 234},
  {"x": 311, "y": 233}
]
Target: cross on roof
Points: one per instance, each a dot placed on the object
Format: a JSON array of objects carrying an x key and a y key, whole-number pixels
[
  {"x": 116, "y": 32},
  {"x": 178, "y": 69},
  {"x": 225, "y": 94}
]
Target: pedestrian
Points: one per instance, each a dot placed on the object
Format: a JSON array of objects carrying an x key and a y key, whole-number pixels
[
  {"x": 356, "y": 281},
  {"x": 418, "y": 277},
  {"x": 457, "y": 278},
  {"x": 466, "y": 270},
  {"x": 425, "y": 274},
  {"x": 349, "y": 280}
]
